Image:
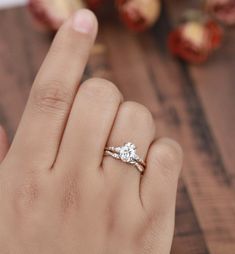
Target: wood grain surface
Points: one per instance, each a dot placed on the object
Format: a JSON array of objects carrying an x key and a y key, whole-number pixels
[{"x": 193, "y": 104}]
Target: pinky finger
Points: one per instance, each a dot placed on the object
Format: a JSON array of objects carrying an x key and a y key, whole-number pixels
[{"x": 159, "y": 183}]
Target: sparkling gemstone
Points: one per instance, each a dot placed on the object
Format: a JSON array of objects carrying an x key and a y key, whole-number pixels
[{"x": 128, "y": 152}]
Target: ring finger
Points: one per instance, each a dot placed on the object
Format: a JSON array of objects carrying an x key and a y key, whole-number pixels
[{"x": 134, "y": 123}]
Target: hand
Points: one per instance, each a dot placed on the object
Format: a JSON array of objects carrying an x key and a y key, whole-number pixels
[
  {"x": 58, "y": 193},
  {"x": 3, "y": 144}
]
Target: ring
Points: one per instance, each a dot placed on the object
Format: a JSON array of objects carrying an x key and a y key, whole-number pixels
[{"x": 127, "y": 154}]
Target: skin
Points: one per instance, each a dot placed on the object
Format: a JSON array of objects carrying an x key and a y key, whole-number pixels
[
  {"x": 3, "y": 143},
  {"x": 58, "y": 193}
]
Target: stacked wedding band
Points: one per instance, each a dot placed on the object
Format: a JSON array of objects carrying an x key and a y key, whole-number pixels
[{"x": 127, "y": 154}]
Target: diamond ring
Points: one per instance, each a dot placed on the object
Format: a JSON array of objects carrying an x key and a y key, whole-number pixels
[{"x": 127, "y": 154}]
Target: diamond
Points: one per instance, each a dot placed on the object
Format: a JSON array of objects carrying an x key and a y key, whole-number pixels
[{"x": 128, "y": 152}]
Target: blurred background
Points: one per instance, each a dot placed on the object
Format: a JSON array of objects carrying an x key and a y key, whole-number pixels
[
  {"x": 175, "y": 57},
  {"x": 11, "y": 3}
]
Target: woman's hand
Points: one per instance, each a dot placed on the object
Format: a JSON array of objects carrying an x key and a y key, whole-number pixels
[
  {"x": 58, "y": 193},
  {"x": 3, "y": 143}
]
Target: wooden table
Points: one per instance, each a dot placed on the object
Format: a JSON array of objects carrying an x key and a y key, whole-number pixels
[{"x": 193, "y": 104}]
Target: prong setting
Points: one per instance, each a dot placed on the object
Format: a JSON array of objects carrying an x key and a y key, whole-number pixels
[{"x": 127, "y": 154}]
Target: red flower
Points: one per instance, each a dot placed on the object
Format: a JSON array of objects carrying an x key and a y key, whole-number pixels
[
  {"x": 195, "y": 41},
  {"x": 139, "y": 15},
  {"x": 223, "y": 10},
  {"x": 94, "y": 4}
]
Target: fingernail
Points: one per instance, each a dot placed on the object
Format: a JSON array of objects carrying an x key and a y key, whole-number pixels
[{"x": 83, "y": 21}]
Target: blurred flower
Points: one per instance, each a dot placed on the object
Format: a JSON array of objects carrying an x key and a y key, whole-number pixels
[
  {"x": 195, "y": 39},
  {"x": 139, "y": 15},
  {"x": 223, "y": 10},
  {"x": 94, "y": 4},
  {"x": 52, "y": 13}
]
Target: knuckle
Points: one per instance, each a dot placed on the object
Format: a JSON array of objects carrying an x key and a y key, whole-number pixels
[
  {"x": 168, "y": 156},
  {"x": 51, "y": 97},
  {"x": 101, "y": 89},
  {"x": 70, "y": 193},
  {"x": 26, "y": 195},
  {"x": 139, "y": 111},
  {"x": 174, "y": 148}
]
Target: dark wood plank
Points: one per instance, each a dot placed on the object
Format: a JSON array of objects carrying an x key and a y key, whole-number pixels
[{"x": 210, "y": 102}]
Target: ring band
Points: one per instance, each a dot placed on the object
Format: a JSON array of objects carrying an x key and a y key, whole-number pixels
[{"x": 127, "y": 154}]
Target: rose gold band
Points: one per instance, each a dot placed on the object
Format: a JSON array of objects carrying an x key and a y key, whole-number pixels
[{"x": 127, "y": 154}]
